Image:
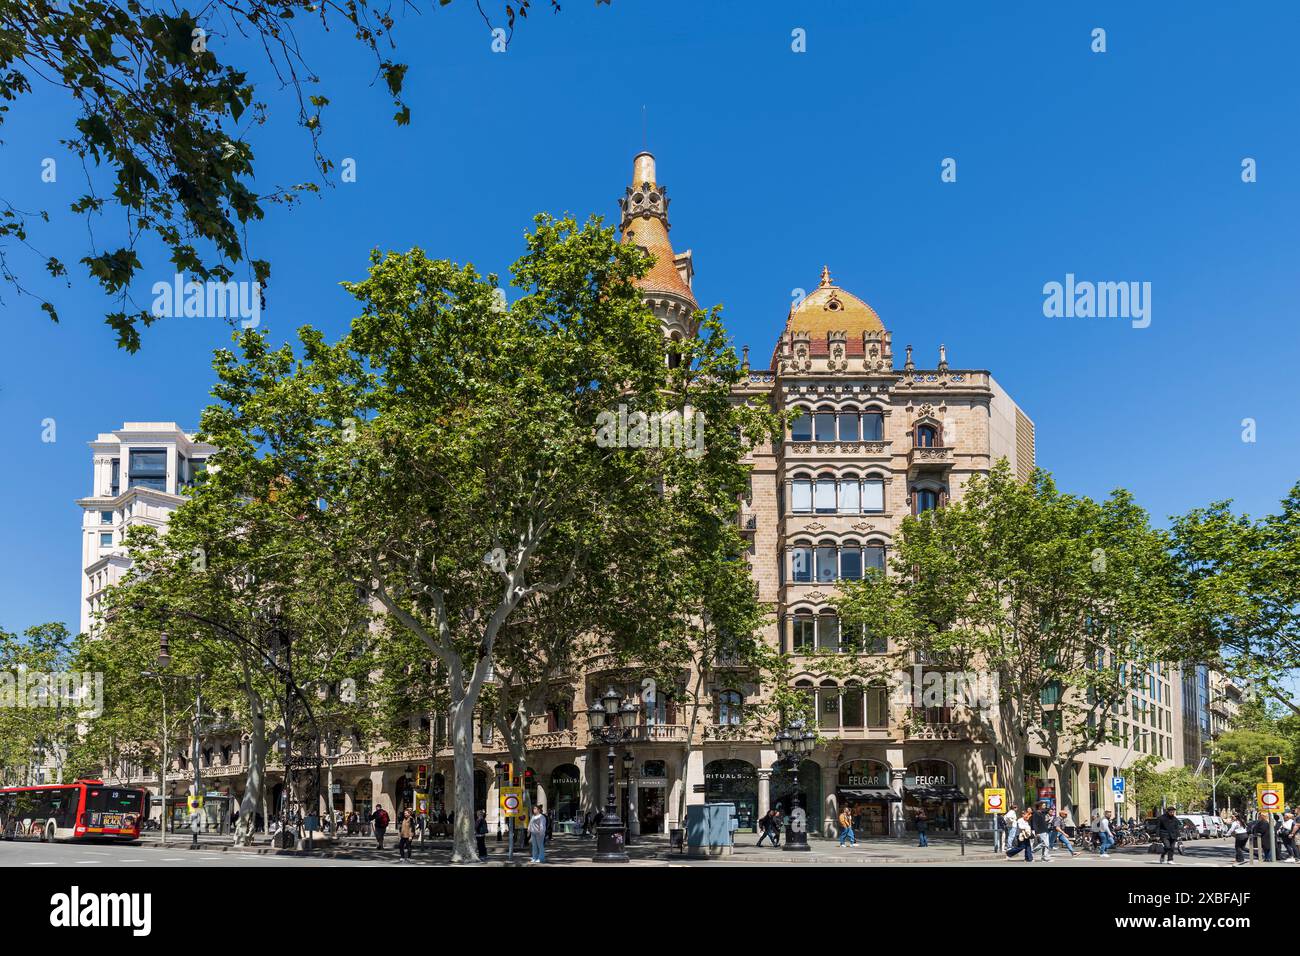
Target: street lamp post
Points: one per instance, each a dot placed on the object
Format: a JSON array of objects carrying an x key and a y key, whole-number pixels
[
  {"x": 610, "y": 721},
  {"x": 793, "y": 744},
  {"x": 164, "y": 661}
]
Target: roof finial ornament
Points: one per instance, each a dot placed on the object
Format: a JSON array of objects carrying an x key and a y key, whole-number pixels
[
  {"x": 826, "y": 275},
  {"x": 908, "y": 364},
  {"x": 943, "y": 358},
  {"x": 744, "y": 363}
]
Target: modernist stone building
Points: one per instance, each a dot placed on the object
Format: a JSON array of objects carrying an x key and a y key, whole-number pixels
[{"x": 879, "y": 435}]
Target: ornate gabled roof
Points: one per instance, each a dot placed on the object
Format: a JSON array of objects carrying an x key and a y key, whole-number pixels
[{"x": 645, "y": 223}]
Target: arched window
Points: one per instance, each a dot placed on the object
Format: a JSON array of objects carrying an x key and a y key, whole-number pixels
[
  {"x": 873, "y": 426},
  {"x": 850, "y": 495},
  {"x": 873, "y": 495},
  {"x": 924, "y": 499},
  {"x": 824, "y": 495},
  {"x": 803, "y": 637},
  {"x": 873, "y": 556},
  {"x": 801, "y": 427},
  {"x": 825, "y": 564},
  {"x": 849, "y": 430},
  {"x": 851, "y": 561},
  {"x": 730, "y": 703},
  {"x": 851, "y": 710},
  {"x": 927, "y": 436},
  {"x": 828, "y": 705},
  {"x": 674, "y": 357},
  {"x": 824, "y": 426},
  {"x": 801, "y": 562},
  {"x": 828, "y": 632},
  {"x": 801, "y": 495}
]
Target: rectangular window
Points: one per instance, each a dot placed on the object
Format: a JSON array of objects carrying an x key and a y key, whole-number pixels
[
  {"x": 874, "y": 556},
  {"x": 877, "y": 706},
  {"x": 828, "y": 633},
  {"x": 873, "y": 427},
  {"x": 148, "y": 469},
  {"x": 106, "y": 517},
  {"x": 116, "y": 482},
  {"x": 106, "y": 539},
  {"x": 850, "y": 496},
  {"x": 873, "y": 496},
  {"x": 824, "y": 426},
  {"x": 801, "y": 496}
]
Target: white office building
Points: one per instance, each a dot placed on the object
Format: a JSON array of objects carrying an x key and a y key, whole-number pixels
[{"x": 140, "y": 474}]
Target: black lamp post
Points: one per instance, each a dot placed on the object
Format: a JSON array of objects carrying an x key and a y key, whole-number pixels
[
  {"x": 793, "y": 745},
  {"x": 610, "y": 721}
]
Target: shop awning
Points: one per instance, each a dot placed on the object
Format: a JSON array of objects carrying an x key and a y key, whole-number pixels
[
  {"x": 867, "y": 793},
  {"x": 936, "y": 794}
]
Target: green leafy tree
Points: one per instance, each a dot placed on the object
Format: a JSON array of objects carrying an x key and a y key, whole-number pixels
[
  {"x": 38, "y": 720},
  {"x": 163, "y": 108}
]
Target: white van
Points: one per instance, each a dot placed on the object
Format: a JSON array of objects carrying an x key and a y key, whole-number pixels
[{"x": 1206, "y": 825}]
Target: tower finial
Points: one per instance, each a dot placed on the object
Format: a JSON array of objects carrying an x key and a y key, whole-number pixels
[
  {"x": 643, "y": 169},
  {"x": 826, "y": 275}
]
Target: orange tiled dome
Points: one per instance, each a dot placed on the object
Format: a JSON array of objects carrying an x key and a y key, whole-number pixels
[{"x": 829, "y": 308}]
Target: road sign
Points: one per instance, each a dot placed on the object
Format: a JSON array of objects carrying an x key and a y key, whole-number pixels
[
  {"x": 193, "y": 803},
  {"x": 512, "y": 801},
  {"x": 995, "y": 800},
  {"x": 1271, "y": 797},
  {"x": 1119, "y": 796},
  {"x": 1117, "y": 785}
]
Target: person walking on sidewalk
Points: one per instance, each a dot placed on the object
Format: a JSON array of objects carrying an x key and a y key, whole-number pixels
[
  {"x": 765, "y": 829},
  {"x": 1240, "y": 834},
  {"x": 1021, "y": 837},
  {"x": 1042, "y": 831},
  {"x": 405, "y": 833},
  {"x": 846, "y": 828},
  {"x": 380, "y": 819},
  {"x": 1168, "y": 830},
  {"x": 480, "y": 834},
  {"x": 922, "y": 829},
  {"x": 537, "y": 835},
  {"x": 1060, "y": 820},
  {"x": 1009, "y": 828}
]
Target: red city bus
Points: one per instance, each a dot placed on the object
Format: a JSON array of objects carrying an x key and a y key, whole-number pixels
[{"x": 85, "y": 810}]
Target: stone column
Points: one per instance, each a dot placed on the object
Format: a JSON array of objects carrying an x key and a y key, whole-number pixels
[
  {"x": 897, "y": 823},
  {"x": 764, "y": 792},
  {"x": 830, "y": 807}
]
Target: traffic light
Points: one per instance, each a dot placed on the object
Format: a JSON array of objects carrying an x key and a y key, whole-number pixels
[
  {"x": 421, "y": 776},
  {"x": 508, "y": 774}
]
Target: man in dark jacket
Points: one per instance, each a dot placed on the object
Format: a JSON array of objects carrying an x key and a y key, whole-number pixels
[
  {"x": 380, "y": 819},
  {"x": 1168, "y": 829},
  {"x": 1042, "y": 826}
]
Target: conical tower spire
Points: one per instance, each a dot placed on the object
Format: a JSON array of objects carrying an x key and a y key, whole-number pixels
[{"x": 644, "y": 222}]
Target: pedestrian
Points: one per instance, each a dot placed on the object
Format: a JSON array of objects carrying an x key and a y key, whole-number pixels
[
  {"x": 1042, "y": 830},
  {"x": 380, "y": 819},
  {"x": 1009, "y": 828},
  {"x": 1060, "y": 820},
  {"x": 1240, "y": 834},
  {"x": 765, "y": 829},
  {"x": 1169, "y": 829},
  {"x": 846, "y": 828},
  {"x": 922, "y": 828},
  {"x": 1021, "y": 837},
  {"x": 480, "y": 833},
  {"x": 1288, "y": 829},
  {"x": 1104, "y": 838},
  {"x": 778, "y": 825},
  {"x": 549, "y": 826},
  {"x": 405, "y": 833},
  {"x": 537, "y": 835}
]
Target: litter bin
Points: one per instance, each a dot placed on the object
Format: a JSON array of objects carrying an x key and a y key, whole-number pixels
[{"x": 710, "y": 828}]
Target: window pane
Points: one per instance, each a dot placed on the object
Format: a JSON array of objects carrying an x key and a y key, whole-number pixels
[
  {"x": 106, "y": 539},
  {"x": 801, "y": 428},
  {"x": 825, "y": 426},
  {"x": 849, "y": 426},
  {"x": 851, "y": 564},
  {"x": 801, "y": 495},
  {"x": 850, "y": 496},
  {"x": 873, "y": 426},
  {"x": 106, "y": 517},
  {"x": 925, "y": 437},
  {"x": 926, "y": 500},
  {"x": 877, "y": 706},
  {"x": 801, "y": 565},
  {"x": 875, "y": 556},
  {"x": 824, "y": 496},
  {"x": 802, "y": 639},
  {"x": 873, "y": 495},
  {"x": 828, "y": 632},
  {"x": 851, "y": 708},
  {"x": 825, "y": 565}
]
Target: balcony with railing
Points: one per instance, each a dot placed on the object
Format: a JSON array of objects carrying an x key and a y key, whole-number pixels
[
  {"x": 929, "y": 459},
  {"x": 651, "y": 733}
]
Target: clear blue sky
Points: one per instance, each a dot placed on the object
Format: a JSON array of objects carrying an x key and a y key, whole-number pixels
[{"x": 1117, "y": 166}]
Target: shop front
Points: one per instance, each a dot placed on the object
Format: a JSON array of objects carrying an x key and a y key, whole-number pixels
[
  {"x": 809, "y": 793},
  {"x": 931, "y": 785},
  {"x": 734, "y": 781},
  {"x": 565, "y": 795},
  {"x": 863, "y": 787}
]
